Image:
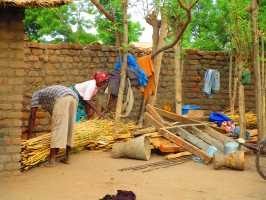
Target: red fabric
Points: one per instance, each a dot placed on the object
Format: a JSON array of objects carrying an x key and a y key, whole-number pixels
[{"x": 101, "y": 76}]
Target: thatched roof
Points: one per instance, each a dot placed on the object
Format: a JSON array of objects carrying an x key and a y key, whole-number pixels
[{"x": 32, "y": 3}]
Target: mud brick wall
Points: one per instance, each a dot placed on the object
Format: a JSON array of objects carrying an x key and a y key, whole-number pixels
[
  {"x": 67, "y": 64},
  {"x": 11, "y": 86},
  {"x": 195, "y": 63}
]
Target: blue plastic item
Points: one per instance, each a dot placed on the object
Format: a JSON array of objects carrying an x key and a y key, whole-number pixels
[
  {"x": 211, "y": 151},
  {"x": 197, "y": 159},
  {"x": 236, "y": 133},
  {"x": 132, "y": 64},
  {"x": 187, "y": 107},
  {"x": 230, "y": 147},
  {"x": 218, "y": 118}
]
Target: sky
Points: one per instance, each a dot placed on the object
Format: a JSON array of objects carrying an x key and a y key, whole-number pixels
[{"x": 138, "y": 16}]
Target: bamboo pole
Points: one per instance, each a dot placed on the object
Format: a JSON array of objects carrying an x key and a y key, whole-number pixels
[
  {"x": 263, "y": 76},
  {"x": 124, "y": 62},
  {"x": 255, "y": 61},
  {"x": 230, "y": 81},
  {"x": 178, "y": 79}
]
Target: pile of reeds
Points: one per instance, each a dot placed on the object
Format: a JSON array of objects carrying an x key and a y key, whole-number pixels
[
  {"x": 250, "y": 118},
  {"x": 94, "y": 134}
]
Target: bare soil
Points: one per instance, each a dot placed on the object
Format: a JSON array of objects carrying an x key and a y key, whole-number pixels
[{"x": 91, "y": 175}]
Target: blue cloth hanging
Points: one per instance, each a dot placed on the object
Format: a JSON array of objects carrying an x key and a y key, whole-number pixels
[
  {"x": 132, "y": 64},
  {"x": 211, "y": 82}
]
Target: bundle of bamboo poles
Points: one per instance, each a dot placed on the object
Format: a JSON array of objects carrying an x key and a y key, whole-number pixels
[
  {"x": 250, "y": 117},
  {"x": 94, "y": 134}
]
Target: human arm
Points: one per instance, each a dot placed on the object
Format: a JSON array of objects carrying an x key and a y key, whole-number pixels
[
  {"x": 90, "y": 105},
  {"x": 35, "y": 101},
  {"x": 32, "y": 119}
]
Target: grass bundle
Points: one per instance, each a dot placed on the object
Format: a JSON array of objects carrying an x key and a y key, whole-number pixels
[{"x": 96, "y": 134}]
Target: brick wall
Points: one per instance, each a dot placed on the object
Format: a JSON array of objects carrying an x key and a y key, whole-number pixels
[
  {"x": 11, "y": 86},
  {"x": 45, "y": 65},
  {"x": 65, "y": 64},
  {"x": 68, "y": 64},
  {"x": 195, "y": 64}
]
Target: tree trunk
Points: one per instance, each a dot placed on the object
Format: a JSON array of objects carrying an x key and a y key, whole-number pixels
[
  {"x": 255, "y": 61},
  {"x": 230, "y": 82},
  {"x": 178, "y": 78},
  {"x": 242, "y": 111},
  {"x": 118, "y": 39},
  {"x": 124, "y": 62},
  {"x": 263, "y": 83},
  {"x": 234, "y": 92},
  {"x": 241, "y": 98},
  {"x": 157, "y": 61}
]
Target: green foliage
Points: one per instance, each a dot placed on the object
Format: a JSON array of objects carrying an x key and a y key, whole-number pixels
[
  {"x": 239, "y": 26},
  {"x": 207, "y": 31},
  {"x": 58, "y": 23},
  {"x": 211, "y": 23},
  {"x": 262, "y": 17},
  {"x": 106, "y": 29},
  {"x": 71, "y": 23}
]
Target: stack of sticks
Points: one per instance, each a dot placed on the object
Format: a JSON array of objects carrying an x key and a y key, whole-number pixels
[{"x": 94, "y": 134}]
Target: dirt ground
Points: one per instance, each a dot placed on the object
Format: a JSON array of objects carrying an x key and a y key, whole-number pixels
[{"x": 91, "y": 175}]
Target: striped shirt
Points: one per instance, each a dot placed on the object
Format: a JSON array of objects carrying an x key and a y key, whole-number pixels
[{"x": 46, "y": 97}]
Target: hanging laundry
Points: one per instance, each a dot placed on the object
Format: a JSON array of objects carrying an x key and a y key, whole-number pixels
[
  {"x": 114, "y": 81},
  {"x": 133, "y": 65},
  {"x": 211, "y": 82},
  {"x": 145, "y": 63}
]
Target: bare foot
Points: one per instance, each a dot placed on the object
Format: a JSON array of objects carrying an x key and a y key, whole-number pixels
[
  {"x": 65, "y": 161},
  {"x": 50, "y": 163}
]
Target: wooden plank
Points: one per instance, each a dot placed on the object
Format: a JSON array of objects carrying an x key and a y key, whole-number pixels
[
  {"x": 144, "y": 131},
  {"x": 173, "y": 116},
  {"x": 192, "y": 139},
  {"x": 185, "y": 125},
  {"x": 176, "y": 117},
  {"x": 217, "y": 135},
  {"x": 150, "y": 109},
  {"x": 207, "y": 138},
  {"x": 178, "y": 155},
  {"x": 189, "y": 147},
  {"x": 165, "y": 146},
  {"x": 157, "y": 124}
]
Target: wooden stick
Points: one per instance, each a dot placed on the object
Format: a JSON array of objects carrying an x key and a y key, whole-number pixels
[
  {"x": 189, "y": 147},
  {"x": 144, "y": 131},
  {"x": 178, "y": 155},
  {"x": 192, "y": 139},
  {"x": 207, "y": 138},
  {"x": 219, "y": 136},
  {"x": 157, "y": 124}
]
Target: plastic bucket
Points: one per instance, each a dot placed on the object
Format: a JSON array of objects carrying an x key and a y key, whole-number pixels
[{"x": 137, "y": 148}]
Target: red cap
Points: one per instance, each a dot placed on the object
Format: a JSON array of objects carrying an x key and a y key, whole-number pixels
[{"x": 101, "y": 76}]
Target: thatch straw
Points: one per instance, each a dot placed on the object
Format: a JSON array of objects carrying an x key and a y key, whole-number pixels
[
  {"x": 32, "y": 3},
  {"x": 94, "y": 134}
]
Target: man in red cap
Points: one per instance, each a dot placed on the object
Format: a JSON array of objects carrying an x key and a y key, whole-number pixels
[{"x": 86, "y": 91}]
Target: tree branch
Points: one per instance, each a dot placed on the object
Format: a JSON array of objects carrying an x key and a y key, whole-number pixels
[
  {"x": 101, "y": 8},
  {"x": 181, "y": 27}
]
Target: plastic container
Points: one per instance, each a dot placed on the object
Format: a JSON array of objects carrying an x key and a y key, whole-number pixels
[
  {"x": 187, "y": 107},
  {"x": 230, "y": 147}
]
